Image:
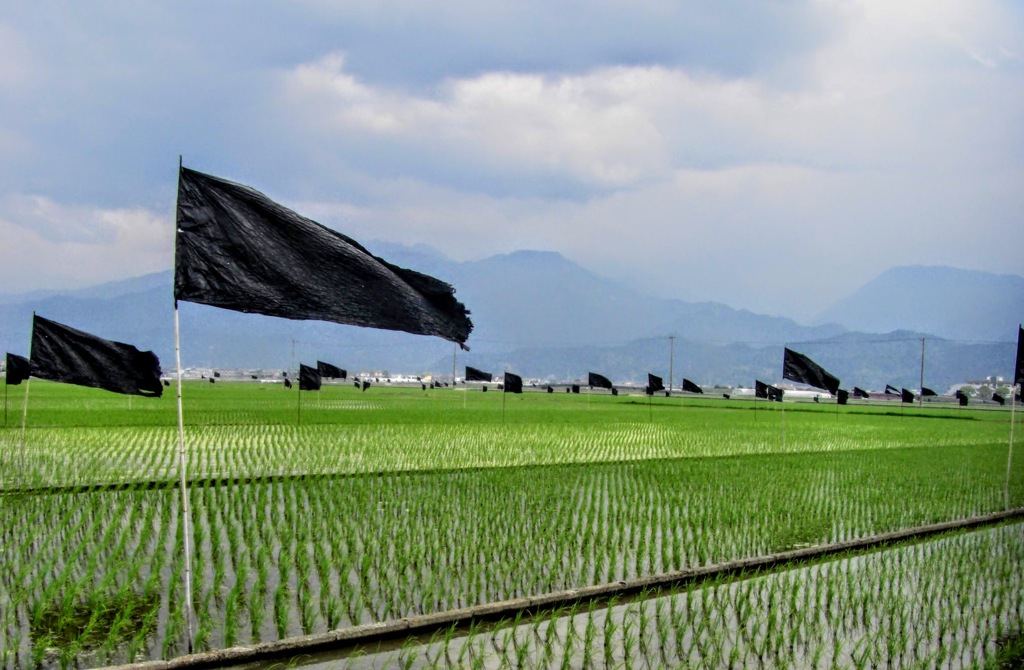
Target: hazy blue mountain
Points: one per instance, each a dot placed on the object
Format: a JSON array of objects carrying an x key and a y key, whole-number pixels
[{"x": 957, "y": 304}]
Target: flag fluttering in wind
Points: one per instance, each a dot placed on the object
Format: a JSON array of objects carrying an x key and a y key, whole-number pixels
[
  {"x": 63, "y": 354},
  {"x": 906, "y": 396},
  {"x": 575, "y": 388},
  {"x": 799, "y": 368},
  {"x": 961, "y": 397},
  {"x": 690, "y": 387},
  {"x": 1018, "y": 368},
  {"x": 18, "y": 369},
  {"x": 513, "y": 383},
  {"x": 762, "y": 390},
  {"x": 858, "y": 392},
  {"x": 237, "y": 249},
  {"x": 891, "y": 390},
  {"x": 998, "y": 398},
  {"x": 365, "y": 386},
  {"x": 474, "y": 375},
  {"x": 654, "y": 384},
  {"x": 927, "y": 392},
  {"x": 595, "y": 380},
  {"x": 842, "y": 397},
  {"x": 328, "y": 371},
  {"x": 287, "y": 383},
  {"x": 309, "y": 378}
]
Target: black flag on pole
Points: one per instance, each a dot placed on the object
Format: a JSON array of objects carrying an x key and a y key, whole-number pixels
[
  {"x": 237, "y": 249},
  {"x": 906, "y": 396},
  {"x": 654, "y": 384},
  {"x": 18, "y": 369},
  {"x": 998, "y": 398},
  {"x": 961, "y": 397},
  {"x": 309, "y": 378},
  {"x": 474, "y": 375},
  {"x": 513, "y": 383},
  {"x": 858, "y": 392},
  {"x": 1018, "y": 368},
  {"x": 598, "y": 381},
  {"x": 63, "y": 354},
  {"x": 891, "y": 390},
  {"x": 843, "y": 397},
  {"x": 575, "y": 388},
  {"x": 690, "y": 387},
  {"x": 328, "y": 371},
  {"x": 799, "y": 368},
  {"x": 927, "y": 392},
  {"x": 762, "y": 390}
]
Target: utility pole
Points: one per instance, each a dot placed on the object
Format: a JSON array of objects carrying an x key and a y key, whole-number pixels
[{"x": 671, "y": 359}]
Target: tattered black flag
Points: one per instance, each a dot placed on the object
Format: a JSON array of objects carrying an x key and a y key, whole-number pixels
[
  {"x": 595, "y": 380},
  {"x": 64, "y": 354},
  {"x": 891, "y": 390},
  {"x": 237, "y": 249},
  {"x": 328, "y": 371},
  {"x": 654, "y": 384},
  {"x": 858, "y": 392},
  {"x": 474, "y": 375},
  {"x": 309, "y": 378},
  {"x": 18, "y": 369},
  {"x": 998, "y": 398},
  {"x": 513, "y": 383},
  {"x": 690, "y": 387},
  {"x": 799, "y": 368},
  {"x": 906, "y": 396}
]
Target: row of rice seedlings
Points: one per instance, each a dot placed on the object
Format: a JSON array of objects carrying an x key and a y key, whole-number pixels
[{"x": 947, "y": 603}]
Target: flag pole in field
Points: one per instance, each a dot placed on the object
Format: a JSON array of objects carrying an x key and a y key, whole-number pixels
[
  {"x": 920, "y": 399},
  {"x": 1009, "y": 452},
  {"x": 504, "y": 391}
]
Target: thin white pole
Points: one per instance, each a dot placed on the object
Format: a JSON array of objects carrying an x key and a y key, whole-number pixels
[
  {"x": 671, "y": 359},
  {"x": 24, "y": 421},
  {"x": 1009, "y": 452},
  {"x": 184, "y": 489},
  {"x": 920, "y": 398}
]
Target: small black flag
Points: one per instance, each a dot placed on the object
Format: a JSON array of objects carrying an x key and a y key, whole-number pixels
[
  {"x": 799, "y": 368},
  {"x": 212, "y": 380},
  {"x": 726, "y": 396},
  {"x": 550, "y": 390},
  {"x": 760, "y": 389},
  {"x": 18, "y": 369},
  {"x": 927, "y": 392},
  {"x": 690, "y": 387},
  {"x": 575, "y": 388},
  {"x": 998, "y": 398},
  {"x": 253, "y": 376},
  {"x": 858, "y": 392},
  {"x": 287, "y": 383},
  {"x": 167, "y": 383},
  {"x": 654, "y": 384},
  {"x": 328, "y": 371},
  {"x": 843, "y": 397},
  {"x": 961, "y": 397},
  {"x": 513, "y": 383},
  {"x": 474, "y": 375},
  {"x": 237, "y": 249},
  {"x": 216, "y": 374},
  {"x": 615, "y": 391},
  {"x": 63, "y": 354},
  {"x": 891, "y": 390},
  {"x": 595, "y": 380},
  {"x": 309, "y": 378},
  {"x": 366, "y": 385},
  {"x": 906, "y": 396}
]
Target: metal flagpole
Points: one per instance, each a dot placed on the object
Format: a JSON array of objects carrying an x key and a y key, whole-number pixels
[
  {"x": 504, "y": 390},
  {"x": 183, "y": 485},
  {"x": 298, "y": 418},
  {"x": 1009, "y": 452},
  {"x": 920, "y": 399},
  {"x": 671, "y": 359},
  {"x": 24, "y": 420}
]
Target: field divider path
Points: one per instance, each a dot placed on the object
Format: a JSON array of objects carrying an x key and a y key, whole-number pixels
[{"x": 353, "y": 638}]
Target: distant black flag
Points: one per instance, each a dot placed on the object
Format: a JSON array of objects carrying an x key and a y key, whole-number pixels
[
  {"x": 891, "y": 389},
  {"x": 216, "y": 374},
  {"x": 774, "y": 394},
  {"x": 575, "y": 388},
  {"x": 906, "y": 396},
  {"x": 237, "y": 249},
  {"x": 598, "y": 381},
  {"x": 167, "y": 382},
  {"x": 365, "y": 386},
  {"x": 998, "y": 398},
  {"x": 64, "y": 354},
  {"x": 961, "y": 397},
  {"x": 287, "y": 383},
  {"x": 760, "y": 389},
  {"x": 799, "y": 368},
  {"x": 212, "y": 380},
  {"x": 1018, "y": 368},
  {"x": 549, "y": 389},
  {"x": 309, "y": 378},
  {"x": 843, "y": 397},
  {"x": 18, "y": 369},
  {"x": 253, "y": 377},
  {"x": 858, "y": 392},
  {"x": 615, "y": 391},
  {"x": 513, "y": 383},
  {"x": 655, "y": 383},
  {"x": 474, "y": 375},
  {"x": 329, "y": 371},
  {"x": 927, "y": 392},
  {"x": 690, "y": 387}
]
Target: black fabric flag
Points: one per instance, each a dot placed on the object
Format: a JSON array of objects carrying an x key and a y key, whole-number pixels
[
  {"x": 64, "y": 354},
  {"x": 287, "y": 383},
  {"x": 655, "y": 383},
  {"x": 906, "y": 396},
  {"x": 998, "y": 398},
  {"x": 927, "y": 392},
  {"x": 599, "y": 381},
  {"x": 474, "y": 375},
  {"x": 237, "y": 249},
  {"x": 575, "y": 388},
  {"x": 799, "y": 368},
  {"x": 858, "y": 392},
  {"x": 309, "y": 378},
  {"x": 690, "y": 387},
  {"x": 1018, "y": 374},
  {"x": 891, "y": 389},
  {"x": 843, "y": 397},
  {"x": 961, "y": 397},
  {"x": 762, "y": 390},
  {"x": 18, "y": 369},
  {"x": 365, "y": 386},
  {"x": 513, "y": 383},
  {"x": 329, "y": 371}
]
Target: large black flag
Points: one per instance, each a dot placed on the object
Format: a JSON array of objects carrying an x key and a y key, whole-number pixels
[
  {"x": 891, "y": 389},
  {"x": 858, "y": 392},
  {"x": 690, "y": 387},
  {"x": 599, "y": 381},
  {"x": 309, "y": 378},
  {"x": 329, "y": 371},
  {"x": 64, "y": 354},
  {"x": 513, "y": 383},
  {"x": 906, "y": 396},
  {"x": 474, "y": 375},
  {"x": 237, "y": 249},
  {"x": 1018, "y": 368},
  {"x": 18, "y": 369},
  {"x": 799, "y": 368},
  {"x": 654, "y": 384}
]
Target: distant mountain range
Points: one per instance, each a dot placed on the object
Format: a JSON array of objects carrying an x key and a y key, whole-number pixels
[{"x": 541, "y": 315}]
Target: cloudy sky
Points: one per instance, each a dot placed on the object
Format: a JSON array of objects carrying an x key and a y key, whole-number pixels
[{"x": 773, "y": 157}]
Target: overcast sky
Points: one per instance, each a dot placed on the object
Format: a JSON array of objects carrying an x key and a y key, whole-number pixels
[{"x": 773, "y": 157}]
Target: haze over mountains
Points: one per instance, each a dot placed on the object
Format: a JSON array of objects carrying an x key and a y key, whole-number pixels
[{"x": 541, "y": 315}]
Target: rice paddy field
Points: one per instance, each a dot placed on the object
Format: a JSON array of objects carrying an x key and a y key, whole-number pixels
[{"x": 362, "y": 507}]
